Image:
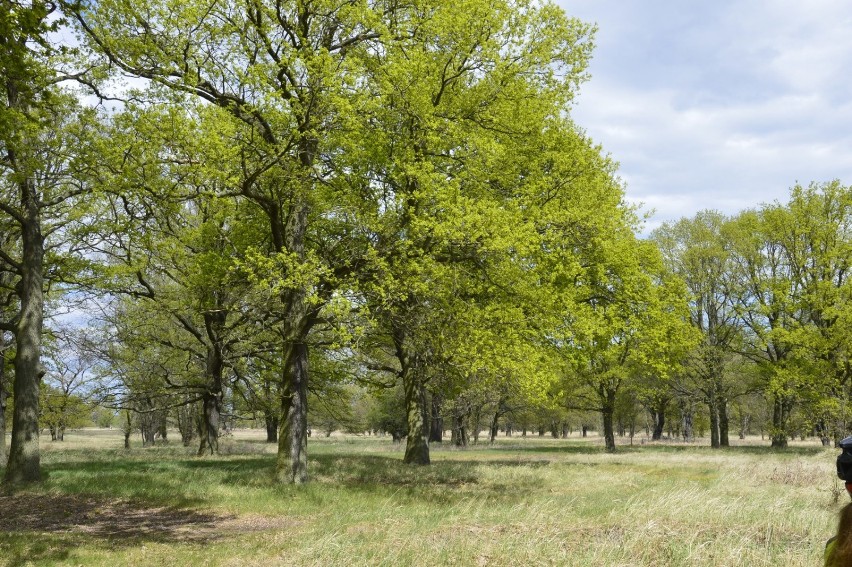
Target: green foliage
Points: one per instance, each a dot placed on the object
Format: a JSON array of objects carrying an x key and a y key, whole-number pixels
[
  {"x": 387, "y": 413},
  {"x": 61, "y": 411}
]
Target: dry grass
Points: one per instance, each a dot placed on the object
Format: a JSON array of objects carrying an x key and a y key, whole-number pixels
[{"x": 520, "y": 502}]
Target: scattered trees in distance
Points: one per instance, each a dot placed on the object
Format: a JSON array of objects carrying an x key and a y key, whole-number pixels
[{"x": 376, "y": 216}]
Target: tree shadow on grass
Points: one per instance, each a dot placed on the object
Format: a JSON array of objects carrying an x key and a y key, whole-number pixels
[
  {"x": 767, "y": 450},
  {"x": 47, "y": 527},
  {"x": 567, "y": 449}
]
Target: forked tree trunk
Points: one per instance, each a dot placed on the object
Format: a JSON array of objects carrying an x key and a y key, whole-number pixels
[
  {"x": 460, "y": 437},
  {"x": 209, "y": 430},
  {"x": 658, "y": 416}
]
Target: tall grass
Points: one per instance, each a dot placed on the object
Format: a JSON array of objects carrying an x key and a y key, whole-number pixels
[{"x": 518, "y": 502}]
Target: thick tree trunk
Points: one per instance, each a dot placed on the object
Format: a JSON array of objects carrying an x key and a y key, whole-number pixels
[
  {"x": 163, "y": 425},
  {"x": 417, "y": 442},
  {"x": 658, "y": 415},
  {"x": 714, "y": 422},
  {"x": 186, "y": 421},
  {"x": 780, "y": 414},
  {"x": 209, "y": 431},
  {"x": 436, "y": 427},
  {"x": 460, "y": 435},
  {"x": 292, "y": 465},
  {"x": 24, "y": 455},
  {"x": 722, "y": 406},
  {"x": 687, "y": 413},
  {"x": 211, "y": 405},
  {"x": 609, "y": 432},
  {"x": 745, "y": 420},
  {"x": 501, "y": 410},
  {"x": 495, "y": 425},
  {"x": 293, "y": 436},
  {"x": 148, "y": 427},
  {"x": 4, "y": 394},
  {"x": 270, "y": 419},
  {"x": 476, "y": 422}
]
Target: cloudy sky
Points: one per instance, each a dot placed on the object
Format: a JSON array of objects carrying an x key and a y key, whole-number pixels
[{"x": 720, "y": 104}]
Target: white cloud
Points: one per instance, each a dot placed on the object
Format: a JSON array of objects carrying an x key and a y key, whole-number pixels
[{"x": 719, "y": 105}]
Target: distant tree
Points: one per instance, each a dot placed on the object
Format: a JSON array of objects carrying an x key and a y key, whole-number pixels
[
  {"x": 632, "y": 322},
  {"x": 71, "y": 384},
  {"x": 388, "y": 414},
  {"x": 697, "y": 251}
]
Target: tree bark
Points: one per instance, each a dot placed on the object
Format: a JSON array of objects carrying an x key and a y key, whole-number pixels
[
  {"x": 460, "y": 437},
  {"x": 214, "y": 322},
  {"x": 128, "y": 428},
  {"x": 270, "y": 419},
  {"x": 609, "y": 432},
  {"x": 687, "y": 412},
  {"x": 24, "y": 463},
  {"x": 417, "y": 442},
  {"x": 436, "y": 428},
  {"x": 658, "y": 415},
  {"x": 4, "y": 394},
  {"x": 293, "y": 436},
  {"x": 186, "y": 421},
  {"x": 714, "y": 421},
  {"x": 722, "y": 405},
  {"x": 209, "y": 431},
  {"x": 780, "y": 414}
]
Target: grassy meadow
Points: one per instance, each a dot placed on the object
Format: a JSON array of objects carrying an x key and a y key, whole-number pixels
[{"x": 532, "y": 501}]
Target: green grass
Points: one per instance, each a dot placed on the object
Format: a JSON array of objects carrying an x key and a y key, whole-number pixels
[{"x": 520, "y": 502}]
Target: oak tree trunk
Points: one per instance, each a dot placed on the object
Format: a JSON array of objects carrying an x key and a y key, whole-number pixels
[
  {"x": 722, "y": 406},
  {"x": 293, "y": 436},
  {"x": 714, "y": 422},
  {"x": 211, "y": 404},
  {"x": 270, "y": 420},
  {"x": 4, "y": 394},
  {"x": 609, "y": 432},
  {"x": 436, "y": 427},
  {"x": 417, "y": 442},
  {"x": 780, "y": 414},
  {"x": 24, "y": 458}
]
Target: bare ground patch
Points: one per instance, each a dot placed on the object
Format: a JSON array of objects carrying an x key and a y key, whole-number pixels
[{"x": 122, "y": 519}]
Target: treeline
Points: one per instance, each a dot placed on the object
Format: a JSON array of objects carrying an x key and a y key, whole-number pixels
[{"x": 244, "y": 210}]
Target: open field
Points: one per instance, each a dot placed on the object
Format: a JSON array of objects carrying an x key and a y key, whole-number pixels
[{"x": 533, "y": 501}]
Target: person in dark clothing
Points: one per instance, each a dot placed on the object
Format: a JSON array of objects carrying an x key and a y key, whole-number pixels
[{"x": 838, "y": 550}]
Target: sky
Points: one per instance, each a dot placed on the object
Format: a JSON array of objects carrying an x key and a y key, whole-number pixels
[{"x": 718, "y": 104}]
